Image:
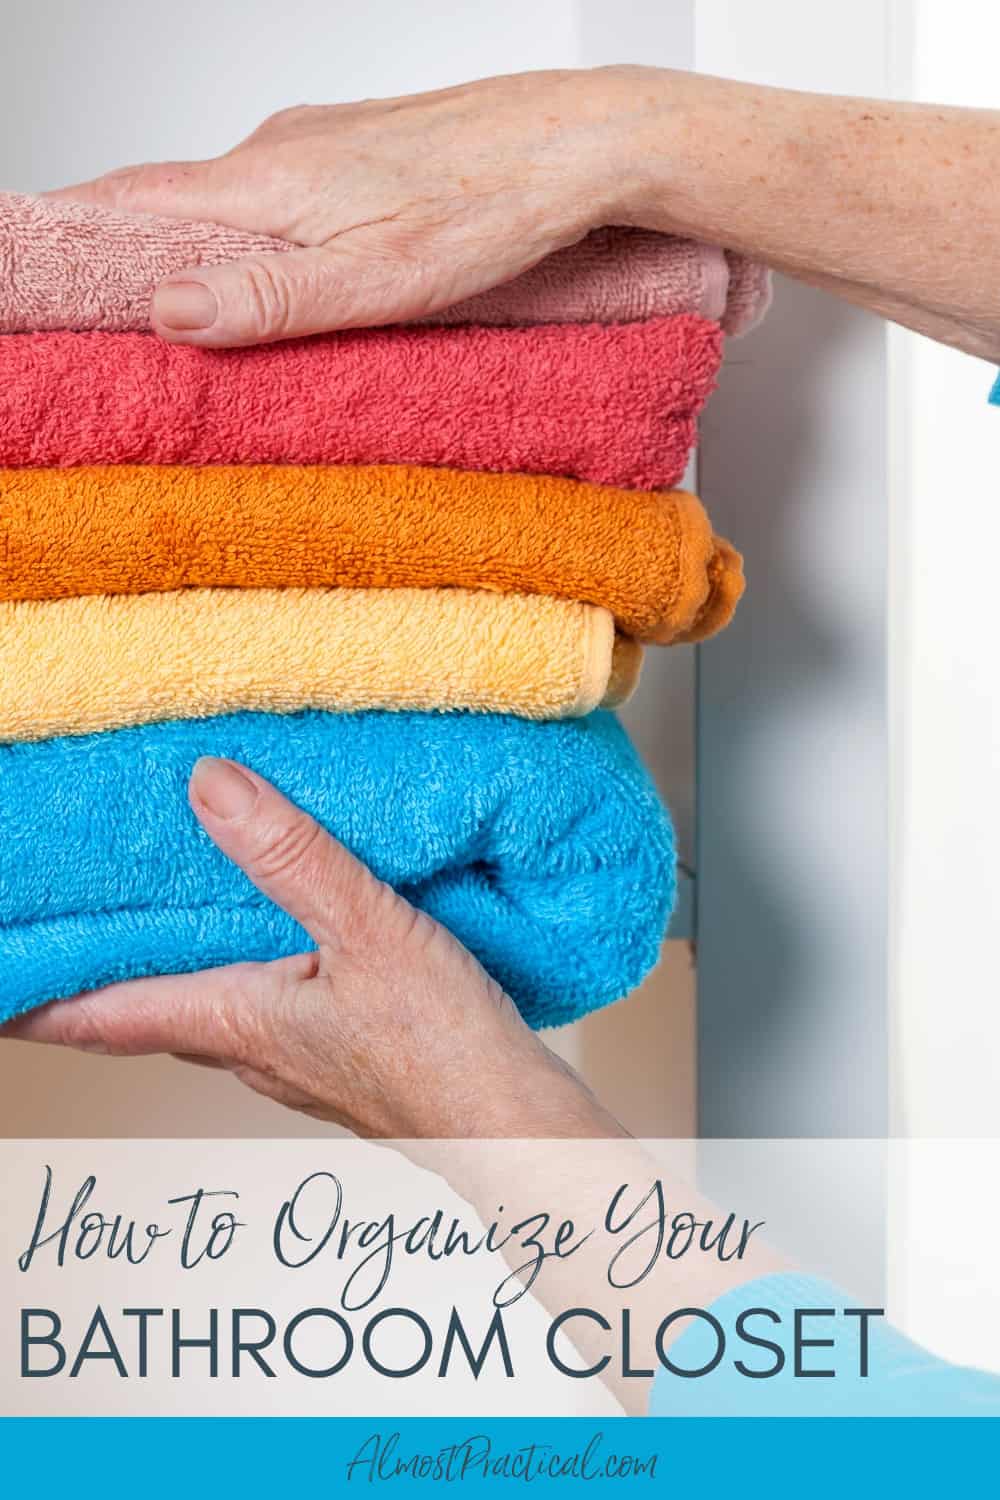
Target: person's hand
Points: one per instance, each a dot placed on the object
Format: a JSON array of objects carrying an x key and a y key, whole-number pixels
[
  {"x": 390, "y": 1027},
  {"x": 400, "y": 206}
]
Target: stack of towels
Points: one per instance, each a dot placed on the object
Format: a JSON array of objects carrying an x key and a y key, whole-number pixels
[{"x": 403, "y": 573}]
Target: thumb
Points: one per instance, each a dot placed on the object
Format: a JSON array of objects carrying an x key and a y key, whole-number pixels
[
  {"x": 313, "y": 289},
  {"x": 285, "y": 852},
  {"x": 221, "y": 1012}
]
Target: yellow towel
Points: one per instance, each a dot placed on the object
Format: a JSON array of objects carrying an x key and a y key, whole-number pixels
[{"x": 74, "y": 666}]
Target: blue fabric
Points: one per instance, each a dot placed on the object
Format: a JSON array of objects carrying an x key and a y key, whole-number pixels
[
  {"x": 995, "y": 392},
  {"x": 542, "y": 846},
  {"x": 903, "y": 1379}
]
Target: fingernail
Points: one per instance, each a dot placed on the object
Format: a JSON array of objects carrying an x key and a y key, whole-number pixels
[
  {"x": 223, "y": 788},
  {"x": 185, "y": 305}
]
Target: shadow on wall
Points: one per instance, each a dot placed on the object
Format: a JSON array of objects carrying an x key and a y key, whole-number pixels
[{"x": 792, "y": 836}]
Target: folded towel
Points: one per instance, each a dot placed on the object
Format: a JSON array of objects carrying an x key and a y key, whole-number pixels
[
  {"x": 615, "y": 404},
  {"x": 77, "y": 266},
  {"x": 749, "y": 296},
  {"x": 649, "y": 558},
  {"x": 543, "y": 847},
  {"x": 74, "y": 666},
  {"x": 612, "y": 275}
]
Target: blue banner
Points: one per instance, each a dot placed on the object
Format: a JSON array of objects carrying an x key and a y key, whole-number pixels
[{"x": 249, "y": 1457}]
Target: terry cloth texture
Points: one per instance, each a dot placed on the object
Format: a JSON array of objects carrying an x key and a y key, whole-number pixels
[
  {"x": 79, "y": 267},
  {"x": 542, "y": 846},
  {"x": 649, "y": 558},
  {"x": 750, "y": 292},
  {"x": 75, "y": 666},
  {"x": 615, "y": 404}
]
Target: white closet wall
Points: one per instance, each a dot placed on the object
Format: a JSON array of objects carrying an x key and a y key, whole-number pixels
[{"x": 945, "y": 701}]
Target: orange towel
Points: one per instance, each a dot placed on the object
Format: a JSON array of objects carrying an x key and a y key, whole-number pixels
[{"x": 649, "y": 558}]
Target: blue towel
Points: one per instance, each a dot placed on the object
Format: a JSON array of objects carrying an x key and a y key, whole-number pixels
[{"x": 542, "y": 846}]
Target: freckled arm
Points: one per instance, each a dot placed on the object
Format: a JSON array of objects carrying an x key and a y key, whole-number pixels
[{"x": 892, "y": 206}]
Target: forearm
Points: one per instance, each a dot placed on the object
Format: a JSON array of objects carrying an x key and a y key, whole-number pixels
[
  {"x": 551, "y": 1149},
  {"x": 402, "y": 207},
  {"x": 892, "y": 206}
]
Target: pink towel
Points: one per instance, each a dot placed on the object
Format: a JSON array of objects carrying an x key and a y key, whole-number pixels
[
  {"x": 74, "y": 266},
  {"x": 614, "y": 403},
  {"x": 749, "y": 294}
]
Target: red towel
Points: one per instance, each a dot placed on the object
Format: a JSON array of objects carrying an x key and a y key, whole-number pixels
[{"x": 616, "y": 404}]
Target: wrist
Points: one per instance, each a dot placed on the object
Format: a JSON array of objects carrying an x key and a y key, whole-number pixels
[
  {"x": 629, "y": 118},
  {"x": 667, "y": 145},
  {"x": 597, "y": 167},
  {"x": 521, "y": 1092}
]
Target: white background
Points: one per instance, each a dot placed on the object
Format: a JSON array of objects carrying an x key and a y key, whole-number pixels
[
  {"x": 945, "y": 668},
  {"x": 945, "y": 754}
]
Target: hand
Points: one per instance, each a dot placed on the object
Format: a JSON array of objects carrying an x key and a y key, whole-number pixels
[
  {"x": 390, "y": 1028},
  {"x": 400, "y": 206}
]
